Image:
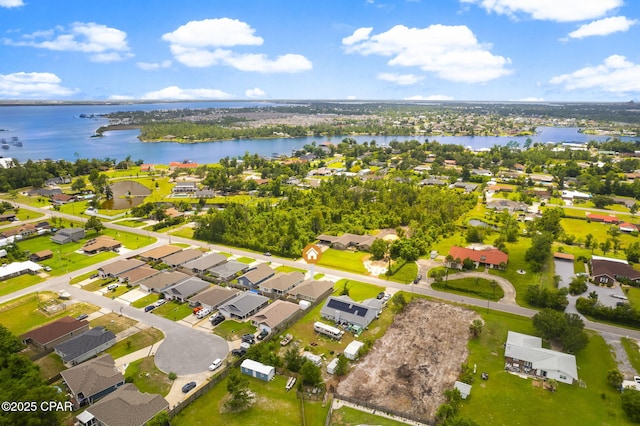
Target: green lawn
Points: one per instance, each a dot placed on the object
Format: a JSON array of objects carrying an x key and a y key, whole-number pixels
[
  {"x": 245, "y": 259},
  {"x": 285, "y": 268},
  {"x": 633, "y": 294},
  {"x": 405, "y": 274},
  {"x": 173, "y": 310},
  {"x": 140, "y": 340},
  {"x": 97, "y": 284},
  {"x": 146, "y": 300},
  {"x": 112, "y": 294},
  {"x": 475, "y": 287},
  {"x": 347, "y": 416},
  {"x": 275, "y": 406},
  {"x": 231, "y": 329},
  {"x": 633, "y": 352},
  {"x": 22, "y": 314},
  {"x": 358, "y": 291},
  {"x": 344, "y": 260},
  {"x": 186, "y": 232},
  {"x": 132, "y": 223},
  {"x": 514, "y": 401},
  {"x": 18, "y": 283},
  {"x": 50, "y": 366},
  {"x": 145, "y": 375},
  {"x": 80, "y": 278},
  {"x": 113, "y": 322}
]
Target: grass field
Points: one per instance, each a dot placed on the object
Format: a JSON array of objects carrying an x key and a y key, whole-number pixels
[
  {"x": 146, "y": 300},
  {"x": 285, "y": 268},
  {"x": 97, "y": 284},
  {"x": 475, "y": 287},
  {"x": 18, "y": 283},
  {"x": 173, "y": 310},
  {"x": 633, "y": 352},
  {"x": 514, "y": 401},
  {"x": 347, "y": 416},
  {"x": 145, "y": 375},
  {"x": 119, "y": 291},
  {"x": 132, "y": 223},
  {"x": 186, "y": 232},
  {"x": 138, "y": 341},
  {"x": 22, "y": 314},
  {"x": 231, "y": 330},
  {"x": 80, "y": 278},
  {"x": 275, "y": 406},
  {"x": 405, "y": 274},
  {"x": 113, "y": 322},
  {"x": 344, "y": 260},
  {"x": 245, "y": 259},
  {"x": 50, "y": 366}
]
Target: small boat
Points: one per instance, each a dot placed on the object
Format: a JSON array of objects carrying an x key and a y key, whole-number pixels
[
  {"x": 5, "y": 145},
  {"x": 15, "y": 141}
]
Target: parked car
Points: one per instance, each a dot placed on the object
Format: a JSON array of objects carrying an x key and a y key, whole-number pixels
[
  {"x": 239, "y": 352},
  {"x": 160, "y": 302},
  {"x": 112, "y": 287},
  {"x": 94, "y": 276},
  {"x": 47, "y": 268},
  {"x": 202, "y": 313},
  {"x": 266, "y": 253},
  {"x": 215, "y": 364},
  {"x": 149, "y": 308},
  {"x": 245, "y": 346},
  {"x": 380, "y": 295},
  {"x": 217, "y": 319},
  {"x": 186, "y": 388},
  {"x": 81, "y": 317},
  {"x": 249, "y": 338},
  {"x": 418, "y": 278},
  {"x": 197, "y": 309},
  {"x": 263, "y": 334}
]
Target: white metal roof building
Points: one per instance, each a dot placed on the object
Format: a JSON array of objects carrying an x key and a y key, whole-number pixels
[
  {"x": 18, "y": 268},
  {"x": 256, "y": 369}
]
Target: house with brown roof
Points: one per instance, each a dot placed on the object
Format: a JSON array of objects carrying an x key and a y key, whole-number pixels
[
  {"x": 201, "y": 264},
  {"x": 92, "y": 380},
  {"x": 159, "y": 282},
  {"x": 41, "y": 255},
  {"x": 181, "y": 257},
  {"x": 281, "y": 282},
  {"x": 158, "y": 253},
  {"x": 62, "y": 198},
  {"x": 214, "y": 297},
  {"x": 274, "y": 315},
  {"x": 255, "y": 276},
  {"x": 46, "y": 337},
  {"x": 181, "y": 165},
  {"x": 132, "y": 276},
  {"x": 492, "y": 258},
  {"x": 101, "y": 243},
  {"x": 608, "y": 271},
  {"x": 312, "y": 290},
  {"x": 147, "y": 167},
  {"x": 115, "y": 269},
  {"x": 21, "y": 231},
  {"x": 627, "y": 227},
  {"x": 125, "y": 406}
]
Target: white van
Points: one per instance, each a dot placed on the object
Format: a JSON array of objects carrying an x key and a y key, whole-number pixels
[
  {"x": 112, "y": 287},
  {"x": 202, "y": 313}
]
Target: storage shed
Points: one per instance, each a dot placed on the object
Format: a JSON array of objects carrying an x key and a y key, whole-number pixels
[
  {"x": 258, "y": 370},
  {"x": 352, "y": 349},
  {"x": 331, "y": 367}
]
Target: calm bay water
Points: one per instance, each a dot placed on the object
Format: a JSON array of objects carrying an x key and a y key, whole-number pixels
[{"x": 57, "y": 132}]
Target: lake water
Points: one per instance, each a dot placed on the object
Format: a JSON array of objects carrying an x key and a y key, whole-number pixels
[{"x": 57, "y": 132}]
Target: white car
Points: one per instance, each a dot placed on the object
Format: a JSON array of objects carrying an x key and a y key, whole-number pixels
[
  {"x": 160, "y": 302},
  {"x": 215, "y": 364},
  {"x": 203, "y": 313}
]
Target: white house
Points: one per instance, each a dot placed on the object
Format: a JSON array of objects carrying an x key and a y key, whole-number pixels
[{"x": 525, "y": 354}]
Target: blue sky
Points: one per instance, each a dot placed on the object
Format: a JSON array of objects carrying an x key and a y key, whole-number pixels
[{"x": 493, "y": 50}]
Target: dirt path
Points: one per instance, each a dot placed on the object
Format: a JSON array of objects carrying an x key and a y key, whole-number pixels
[
  {"x": 508, "y": 288},
  {"x": 624, "y": 365}
]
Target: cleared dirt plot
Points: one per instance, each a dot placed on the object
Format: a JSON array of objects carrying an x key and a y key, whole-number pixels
[{"x": 418, "y": 358}]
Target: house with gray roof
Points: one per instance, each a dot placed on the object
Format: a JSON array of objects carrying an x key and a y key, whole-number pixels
[
  {"x": 160, "y": 282},
  {"x": 312, "y": 290},
  {"x": 282, "y": 282},
  {"x": 255, "y": 276},
  {"x": 115, "y": 269},
  {"x": 85, "y": 346},
  {"x": 185, "y": 289},
  {"x": 200, "y": 265},
  {"x": 344, "y": 241},
  {"x": 68, "y": 235},
  {"x": 92, "y": 380},
  {"x": 226, "y": 271},
  {"x": 525, "y": 354},
  {"x": 244, "y": 305},
  {"x": 126, "y": 406},
  {"x": 343, "y": 309},
  {"x": 213, "y": 297},
  {"x": 180, "y": 258}
]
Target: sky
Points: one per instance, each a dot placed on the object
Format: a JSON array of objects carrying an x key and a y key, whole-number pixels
[{"x": 463, "y": 50}]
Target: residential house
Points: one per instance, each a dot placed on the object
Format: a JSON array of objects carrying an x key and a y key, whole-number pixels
[
  {"x": 575, "y": 195},
  {"x": 228, "y": 270},
  {"x": 184, "y": 187},
  {"x": 159, "y": 282},
  {"x": 243, "y": 306},
  {"x": 200, "y": 265},
  {"x": 125, "y": 406},
  {"x": 182, "y": 165},
  {"x": 42, "y": 192},
  {"x": 61, "y": 198},
  {"x": 8, "y": 217},
  {"x": 607, "y": 271},
  {"x": 609, "y": 219},
  {"x": 92, "y": 380},
  {"x": 450, "y": 162},
  {"x": 255, "y": 276},
  {"x": 492, "y": 258},
  {"x": 509, "y": 205},
  {"x": 213, "y": 297},
  {"x": 525, "y": 354},
  {"x": 627, "y": 227},
  {"x": 433, "y": 182},
  {"x": 158, "y": 253},
  {"x": 312, "y": 290},
  {"x": 467, "y": 186},
  {"x": 541, "y": 179},
  {"x": 41, "y": 255},
  {"x": 361, "y": 242},
  {"x": 22, "y": 231},
  {"x": 273, "y": 315},
  {"x": 481, "y": 172},
  {"x": 173, "y": 213},
  {"x": 282, "y": 282},
  {"x": 258, "y": 370},
  {"x": 115, "y": 269},
  {"x": 185, "y": 289},
  {"x": 101, "y": 243},
  {"x": 343, "y": 309},
  {"x": 133, "y": 276},
  {"x": 147, "y": 167},
  {"x": 46, "y": 337},
  {"x": 181, "y": 257},
  {"x": 500, "y": 188},
  {"x": 19, "y": 268},
  {"x": 204, "y": 193},
  {"x": 86, "y": 345},
  {"x": 68, "y": 235}
]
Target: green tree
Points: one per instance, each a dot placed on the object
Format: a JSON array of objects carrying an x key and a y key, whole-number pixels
[
  {"x": 378, "y": 248},
  {"x": 293, "y": 360},
  {"x": 160, "y": 419},
  {"x": 615, "y": 378},
  {"x": 79, "y": 184},
  {"x": 95, "y": 224},
  {"x": 310, "y": 374},
  {"x": 342, "y": 368},
  {"x": 578, "y": 285},
  {"x": 398, "y": 302},
  {"x": 631, "y": 404},
  {"x": 238, "y": 388},
  {"x": 540, "y": 251},
  {"x": 600, "y": 201},
  {"x": 475, "y": 328},
  {"x": 633, "y": 252},
  {"x": 549, "y": 323}
]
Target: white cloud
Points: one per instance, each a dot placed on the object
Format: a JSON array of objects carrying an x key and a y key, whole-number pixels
[
  {"x": 550, "y": 10},
  {"x": 359, "y": 35},
  {"x": 530, "y": 99},
  {"x": 153, "y": 66},
  {"x": 102, "y": 43},
  {"x": 11, "y": 3},
  {"x": 604, "y": 27},
  {"x": 201, "y": 44},
  {"x": 616, "y": 75},
  {"x": 401, "y": 79},
  {"x": 429, "y": 98},
  {"x": 351, "y": 97},
  {"x": 41, "y": 85},
  {"x": 176, "y": 93},
  {"x": 255, "y": 93},
  {"x": 451, "y": 52}
]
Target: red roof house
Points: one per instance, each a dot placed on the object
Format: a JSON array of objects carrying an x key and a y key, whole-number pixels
[
  {"x": 603, "y": 218},
  {"x": 627, "y": 227},
  {"x": 492, "y": 258}
]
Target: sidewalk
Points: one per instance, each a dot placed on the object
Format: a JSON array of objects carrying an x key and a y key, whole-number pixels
[{"x": 123, "y": 362}]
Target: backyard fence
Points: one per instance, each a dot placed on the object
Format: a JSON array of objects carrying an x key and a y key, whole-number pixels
[{"x": 401, "y": 416}]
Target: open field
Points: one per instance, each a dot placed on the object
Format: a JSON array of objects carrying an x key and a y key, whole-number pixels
[
  {"x": 146, "y": 300},
  {"x": 633, "y": 352},
  {"x": 405, "y": 274},
  {"x": 173, "y": 310},
  {"x": 18, "y": 283},
  {"x": 284, "y": 268},
  {"x": 358, "y": 291},
  {"x": 475, "y": 287},
  {"x": 80, "y": 278},
  {"x": 245, "y": 259},
  {"x": 138, "y": 341},
  {"x": 274, "y": 405},
  {"x": 113, "y": 322},
  {"x": 145, "y": 375},
  {"x": 231, "y": 329},
  {"x": 344, "y": 260}
]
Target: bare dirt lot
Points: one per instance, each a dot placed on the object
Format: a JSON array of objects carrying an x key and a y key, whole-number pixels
[{"x": 418, "y": 358}]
